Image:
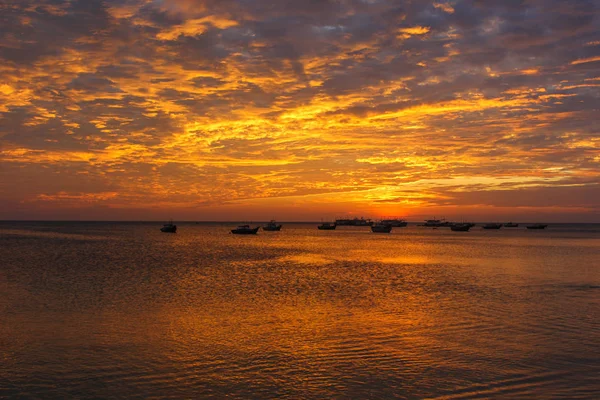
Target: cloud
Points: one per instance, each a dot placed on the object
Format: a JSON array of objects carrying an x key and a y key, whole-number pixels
[{"x": 254, "y": 102}]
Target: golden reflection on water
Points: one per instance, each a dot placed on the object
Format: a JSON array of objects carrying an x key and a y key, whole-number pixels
[
  {"x": 307, "y": 258},
  {"x": 298, "y": 314}
]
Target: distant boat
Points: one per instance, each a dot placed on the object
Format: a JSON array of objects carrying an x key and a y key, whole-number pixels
[
  {"x": 272, "y": 226},
  {"x": 245, "y": 230},
  {"x": 436, "y": 223},
  {"x": 395, "y": 222},
  {"x": 169, "y": 228},
  {"x": 327, "y": 226},
  {"x": 511, "y": 225},
  {"x": 461, "y": 227},
  {"x": 353, "y": 222},
  {"x": 381, "y": 228},
  {"x": 537, "y": 226},
  {"x": 492, "y": 226}
]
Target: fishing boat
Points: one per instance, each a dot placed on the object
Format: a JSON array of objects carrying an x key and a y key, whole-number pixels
[
  {"x": 511, "y": 225},
  {"x": 395, "y": 222},
  {"x": 381, "y": 228},
  {"x": 353, "y": 222},
  {"x": 461, "y": 227},
  {"x": 327, "y": 226},
  {"x": 492, "y": 226},
  {"x": 245, "y": 230},
  {"x": 436, "y": 223},
  {"x": 169, "y": 228},
  {"x": 432, "y": 223},
  {"x": 537, "y": 226},
  {"x": 272, "y": 226}
]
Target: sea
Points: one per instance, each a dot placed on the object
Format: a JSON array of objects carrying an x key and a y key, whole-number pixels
[{"x": 99, "y": 310}]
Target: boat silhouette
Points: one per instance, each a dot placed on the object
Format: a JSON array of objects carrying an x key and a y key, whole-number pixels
[
  {"x": 327, "y": 226},
  {"x": 245, "y": 230},
  {"x": 461, "y": 227},
  {"x": 353, "y": 222},
  {"x": 492, "y": 226},
  {"x": 381, "y": 228},
  {"x": 395, "y": 222},
  {"x": 169, "y": 228},
  {"x": 537, "y": 226},
  {"x": 272, "y": 226}
]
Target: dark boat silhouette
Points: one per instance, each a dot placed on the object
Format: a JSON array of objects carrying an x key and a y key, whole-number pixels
[
  {"x": 511, "y": 225},
  {"x": 492, "y": 226},
  {"x": 169, "y": 228},
  {"x": 353, "y": 222},
  {"x": 381, "y": 228},
  {"x": 327, "y": 226},
  {"x": 245, "y": 230},
  {"x": 461, "y": 227},
  {"x": 436, "y": 223},
  {"x": 395, "y": 222},
  {"x": 537, "y": 226},
  {"x": 272, "y": 226}
]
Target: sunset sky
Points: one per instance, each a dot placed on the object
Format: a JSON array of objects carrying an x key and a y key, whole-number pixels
[{"x": 300, "y": 109}]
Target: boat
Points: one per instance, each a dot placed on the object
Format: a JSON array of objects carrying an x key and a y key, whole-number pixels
[
  {"x": 245, "y": 230},
  {"x": 436, "y": 223},
  {"x": 492, "y": 226},
  {"x": 432, "y": 223},
  {"x": 327, "y": 226},
  {"x": 461, "y": 227},
  {"x": 537, "y": 226},
  {"x": 353, "y": 222},
  {"x": 272, "y": 226},
  {"x": 169, "y": 228},
  {"x": 395, "y": 222},
  {"x": 511, "y": 225},
  {"x": 380, "y": 227}
]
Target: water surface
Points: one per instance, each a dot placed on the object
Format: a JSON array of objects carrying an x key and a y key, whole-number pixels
[{"x": 97, "y": 310}]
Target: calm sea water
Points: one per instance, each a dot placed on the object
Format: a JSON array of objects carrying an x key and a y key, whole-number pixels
[{"x": 100, "y": 310}]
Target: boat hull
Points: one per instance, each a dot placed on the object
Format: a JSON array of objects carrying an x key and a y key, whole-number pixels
[
  {"x": 354, "y": 222},
  {"x": 272, "y": 228},
  {"x": 537, "y": 227},
  {"x": 460, "y": 228},
  {"x": 326, "y": 227},
  {"x": 498, "y": 226},
  {"x": 381, "y": 229},
  {"x": 245, "y": 231},
  {"x": 169, "y": 229},
  {"x": 395, "y": 224}
]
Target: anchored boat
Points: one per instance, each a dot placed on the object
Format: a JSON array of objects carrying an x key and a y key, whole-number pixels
[
  {"x": 492, "y": 226},
  {"x": 169, "y": 228},
  {"x": 461, "y": 227},
  {"x": 245, "y": 230},
  {"x": 327, "y": 226},
  {"x": 395, "y": 222},
  {"x": 354, "y": 222},
  {"x": 381, "y": 228},
  {"x": 272, "y": 226},
  {"x": 537, "y": 226}
]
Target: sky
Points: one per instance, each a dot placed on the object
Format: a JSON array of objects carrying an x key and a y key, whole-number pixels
[{"x": 300, "y": 110}]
